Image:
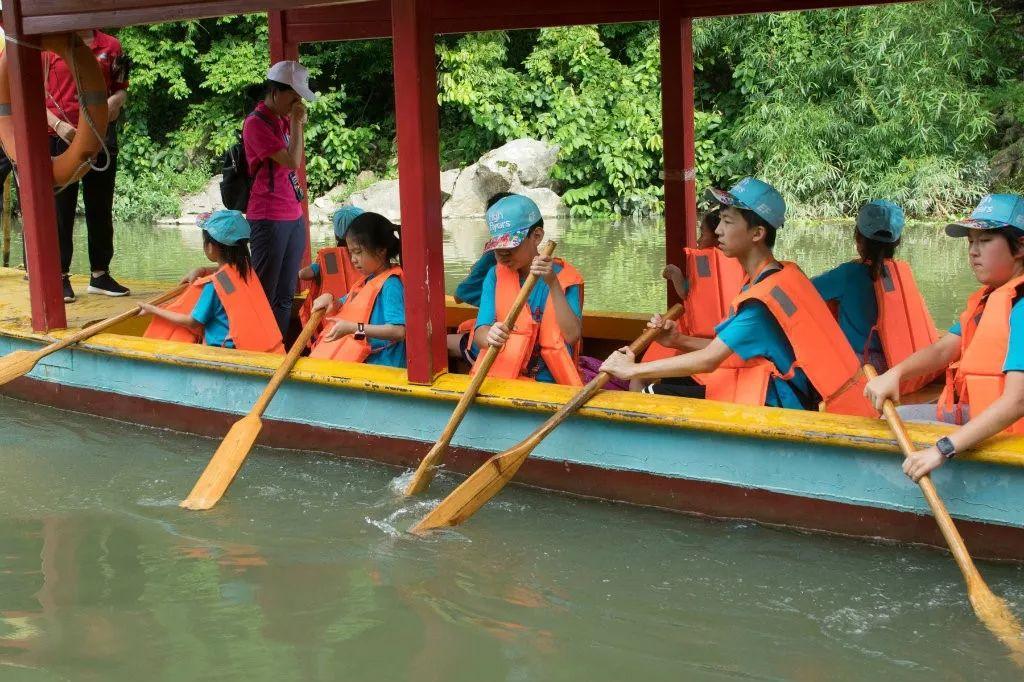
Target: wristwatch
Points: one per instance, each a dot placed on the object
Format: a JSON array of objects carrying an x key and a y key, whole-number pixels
[
  {"x": 360, "y": 334},
  {"x": 945, "y": 447}
]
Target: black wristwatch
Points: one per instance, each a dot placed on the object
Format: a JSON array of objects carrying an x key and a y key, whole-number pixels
[
  {"x": 360, "y": 334},
  {"x": 945, "y": 446}
]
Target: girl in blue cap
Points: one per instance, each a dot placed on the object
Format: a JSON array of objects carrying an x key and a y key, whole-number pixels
[
  {"x": 861, "y": 288},
  {"x": 792, "y": 351},
  {"x": 368, "y": 323},
  {"x": 225, "y": 305},
  {"x": 332, "y": 270},
  {"x": 983, "y": 351}
]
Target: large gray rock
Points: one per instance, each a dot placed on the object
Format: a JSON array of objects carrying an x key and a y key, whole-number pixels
[
  {"x": 383, "y": 197},
  {"x": 524, "y": 162},
  {"x": 474, "y": 186},
  {"x": 205, "y": 201},
  {"x": 549, "y": 203}
]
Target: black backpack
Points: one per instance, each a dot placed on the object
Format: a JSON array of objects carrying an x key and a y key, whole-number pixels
[{"x": 236, "y": 184}]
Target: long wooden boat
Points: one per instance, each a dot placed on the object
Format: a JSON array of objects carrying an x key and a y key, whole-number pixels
[{"x": 805, "y": 470}]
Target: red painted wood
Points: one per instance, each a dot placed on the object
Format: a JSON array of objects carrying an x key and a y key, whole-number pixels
[
  {"x": 35, "y": 183},
  {"x": 419, "y": 188},
  {"x": 702, "y": 498},
  {"x": 53, "y": 16},
  {"x": 676, "y": 110}
]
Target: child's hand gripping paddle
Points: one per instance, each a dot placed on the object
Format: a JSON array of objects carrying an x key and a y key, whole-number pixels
[
  {"x": 491, "y": 477},
  {"x": 20, "y": 362},
  {"x": 990, "y": 609},
  {"x": 429, "y": 464},
  {"x": 236, "y": 445}
]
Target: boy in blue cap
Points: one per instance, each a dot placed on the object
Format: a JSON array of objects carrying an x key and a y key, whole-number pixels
[
  {"x": 984, "y": 390},
  {"x": 778, "y": 327},
  {"x": 860, "y": 288},
  {"x": 542, "y": 346},
  {"x": 226, "y": 305}
]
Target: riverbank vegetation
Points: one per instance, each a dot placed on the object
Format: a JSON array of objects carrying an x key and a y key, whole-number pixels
[{"x": 922, "y": 103}]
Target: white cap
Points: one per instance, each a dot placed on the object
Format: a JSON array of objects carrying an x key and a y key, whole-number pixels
[{"x": 294, "y": 74}]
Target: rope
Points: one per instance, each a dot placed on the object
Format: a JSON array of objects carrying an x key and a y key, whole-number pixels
[
  {"x": 83, "y": 111},
  {"x": 9, "y": 39}
]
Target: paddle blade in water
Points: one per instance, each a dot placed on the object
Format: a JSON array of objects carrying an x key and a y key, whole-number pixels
[
  {"x": 225, "y": 464},
  {"x": 16, "y": 364},
  {"x": 997, "y": 617},
  {"x": 476, "y": 490}
]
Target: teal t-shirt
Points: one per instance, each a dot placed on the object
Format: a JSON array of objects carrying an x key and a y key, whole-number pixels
[
  {"x": 753, "y": 332},
  {"x": 389, "y": 308},
  {"x": 537, "y": 302},
  {"x": 850, "y": 286},
  {"x": 1014, "y": 361},
  {"x": 209, "y": 312}
]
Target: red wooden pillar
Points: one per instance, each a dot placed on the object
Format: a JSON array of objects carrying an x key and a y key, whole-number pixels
[
  {"x": 281, "y": 49},
  {"x": 677, "y": 132},
  {"x": 35, "y": 178},
  {"x": 419, "y": 188}
]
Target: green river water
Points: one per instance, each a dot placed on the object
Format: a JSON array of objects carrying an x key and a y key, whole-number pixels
[{"x": 304, "y": 572}]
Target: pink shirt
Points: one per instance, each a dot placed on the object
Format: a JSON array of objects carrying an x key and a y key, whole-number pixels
[{"x": 261, "y": 142}]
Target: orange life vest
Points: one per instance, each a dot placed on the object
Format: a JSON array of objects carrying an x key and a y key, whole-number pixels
[
  {"x": 904, "y": 324},
  {"x": 821, "y": 349},
  {"x": 714, "y": 280},
  {"x": 357, "y": 308},
  {"x": 527, "y": 333},
  {"x": 251, "y": 323},
  {"x": 337, "y": 275},
  {"x": 977, "y": 379}
]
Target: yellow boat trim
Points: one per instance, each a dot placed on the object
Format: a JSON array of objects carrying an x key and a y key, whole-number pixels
[{"x": 812, "y": 428}]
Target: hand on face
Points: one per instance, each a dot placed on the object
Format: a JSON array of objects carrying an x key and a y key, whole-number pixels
[{"x": 299, "y": 113}]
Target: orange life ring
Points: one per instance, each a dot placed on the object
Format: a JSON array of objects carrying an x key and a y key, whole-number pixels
[{"x": 70, "y": 166}]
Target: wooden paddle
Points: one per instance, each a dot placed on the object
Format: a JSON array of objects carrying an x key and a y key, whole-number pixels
[
  {"x": 491, "y": 477},
  {"x": 429, "y": 464},
  {"x": 20, "y": 362},
  {"x": 992, "y": 610},
  {"x": 228, "y": 459}
]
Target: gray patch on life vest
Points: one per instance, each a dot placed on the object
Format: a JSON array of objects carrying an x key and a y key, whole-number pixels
[
  {"x": 5, "y": 110},
  {"x": 225, "y": 282},
  {"x": 703, "y": 266},
  {"x": 887, "y": 284},
  {"x": 783, "y": 300},
  {"x": 92, "y": 98},
  {"x": 331, "y": 263}
]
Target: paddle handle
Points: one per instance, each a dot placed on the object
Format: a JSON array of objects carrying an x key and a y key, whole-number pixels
[
  {"x": 285, "y": 368},
  {"x": 96, "y": 328},
  {"x": 598, "y": 382},
  {"x": 424, "y": 472},
  {"x": 931, "y": 495}
]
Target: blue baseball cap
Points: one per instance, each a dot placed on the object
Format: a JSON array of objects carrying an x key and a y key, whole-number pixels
[
  {"x": 343, "y": 217},
  {"x": 226, "y": 227},
  {"x": 510, "y": 220},
  {"x": 753, "y": 195},
  {"x": 994, "y": 211},
  {"x": 881, "y": 220}
]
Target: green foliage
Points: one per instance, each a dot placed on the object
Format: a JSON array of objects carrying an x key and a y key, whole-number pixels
[{"x": 908, "y": 102}]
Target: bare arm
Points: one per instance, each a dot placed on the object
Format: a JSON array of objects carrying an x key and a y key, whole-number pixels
[
  {"x": 568, "y": 323},
  {"x": 291, "y": 156},
  {"x": 180, "y": 319},
  {"x": 307, "y": 273},
  {"x": 930, "y": 359},
  {"x": 386, "y": 332},
  {"x": 115, "y": 103},
  {"x": 623, "y": 365}
]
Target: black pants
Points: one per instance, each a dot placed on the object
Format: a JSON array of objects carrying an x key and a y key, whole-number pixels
[
  {"x": 98, "y": 196},
  {"x": 681, "y": 387}
]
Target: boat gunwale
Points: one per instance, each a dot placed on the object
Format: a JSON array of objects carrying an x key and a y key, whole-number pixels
[{"x": 815, "y": 428}]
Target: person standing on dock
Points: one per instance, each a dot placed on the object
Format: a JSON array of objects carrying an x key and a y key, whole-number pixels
[
  {"x": 274, "y": 146},
  {"x": 983, "y": 353},
  {"x": 62, "y": 114},
  {"x": 793, "y": 352}
]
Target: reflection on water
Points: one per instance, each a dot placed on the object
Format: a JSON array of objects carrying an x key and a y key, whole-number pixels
[
  {"x": 303, "y": 572},
  {"x": 621, "y": 261}
]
